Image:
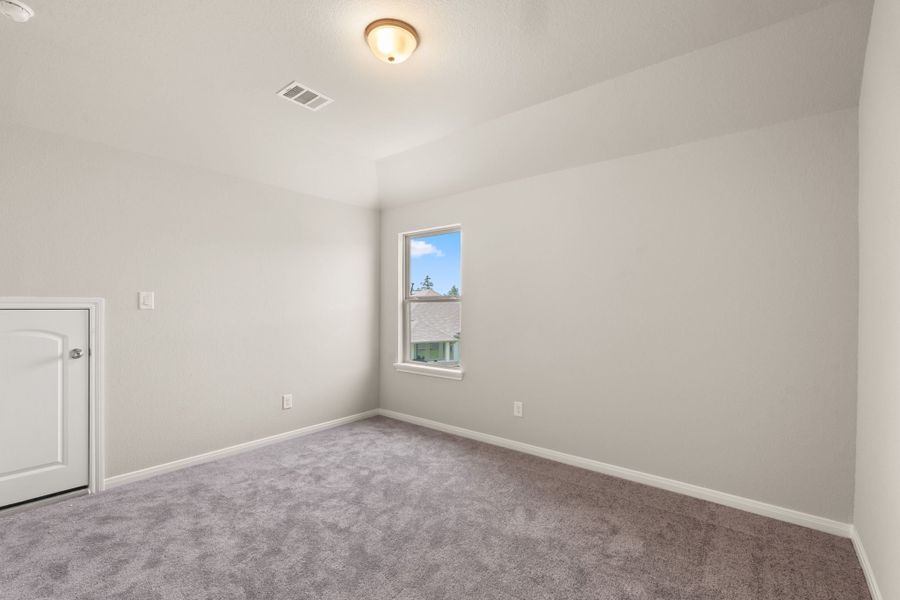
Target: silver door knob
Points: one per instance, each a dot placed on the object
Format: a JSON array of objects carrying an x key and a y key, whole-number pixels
[{"x": 76, "y": 353}]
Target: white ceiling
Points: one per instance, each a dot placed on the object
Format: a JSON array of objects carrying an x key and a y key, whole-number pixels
[
  {"x": 804, "y": 66},
  {"x": 195, "y": 81}
]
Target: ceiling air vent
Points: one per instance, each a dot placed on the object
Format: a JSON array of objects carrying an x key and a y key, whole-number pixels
[{"x": 305, "y": 97}]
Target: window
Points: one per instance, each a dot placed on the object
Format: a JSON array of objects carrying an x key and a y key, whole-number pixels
[{"x": 431, "y": 311}]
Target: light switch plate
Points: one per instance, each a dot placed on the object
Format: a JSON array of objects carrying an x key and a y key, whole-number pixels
[{"x": 146, "y": 300}]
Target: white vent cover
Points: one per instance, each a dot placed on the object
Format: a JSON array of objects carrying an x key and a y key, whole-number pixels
[{"x": 304, "y": 96}]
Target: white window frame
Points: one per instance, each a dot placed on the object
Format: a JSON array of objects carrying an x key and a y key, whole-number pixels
[{"x": 404, "y": 363}]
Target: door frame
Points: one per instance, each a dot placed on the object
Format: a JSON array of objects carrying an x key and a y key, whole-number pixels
[{"x": 96, "y": 308}]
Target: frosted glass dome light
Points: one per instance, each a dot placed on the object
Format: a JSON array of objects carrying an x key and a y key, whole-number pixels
[{"x": 391, "y": 40}]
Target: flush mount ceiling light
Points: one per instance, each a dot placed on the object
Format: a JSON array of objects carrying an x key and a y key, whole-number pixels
[
  {"x": 391, "y": 40},
  {"x": 16, "y": 10}
]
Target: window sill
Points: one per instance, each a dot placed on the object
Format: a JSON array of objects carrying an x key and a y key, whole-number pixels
[{"x": 442, "y": 372}]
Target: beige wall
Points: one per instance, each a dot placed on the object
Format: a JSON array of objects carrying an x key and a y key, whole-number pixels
[
  {"x": 877, "y": 515},
  {"x": 689, "y": 312},
  {"x": 260, "y": 292}
]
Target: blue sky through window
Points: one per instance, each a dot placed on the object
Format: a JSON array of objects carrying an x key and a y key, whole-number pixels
[{"x": 436, "y": 256}]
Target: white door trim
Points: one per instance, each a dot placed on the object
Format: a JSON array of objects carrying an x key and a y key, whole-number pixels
[{"x": 96, "y": 308}]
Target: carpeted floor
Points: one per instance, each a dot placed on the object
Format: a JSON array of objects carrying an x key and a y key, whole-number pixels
[{"x": 383, "y": 510}]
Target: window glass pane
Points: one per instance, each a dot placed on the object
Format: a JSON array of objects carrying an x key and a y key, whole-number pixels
[
  {"x": 434, "y": 329},
  {"x": 434, "y": 265}
]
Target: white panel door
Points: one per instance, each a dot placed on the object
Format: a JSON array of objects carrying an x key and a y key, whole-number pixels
[{"x": 44, "y": 378}]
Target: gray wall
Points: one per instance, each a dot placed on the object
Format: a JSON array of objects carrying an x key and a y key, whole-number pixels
[
  {"x": 877, "y": 515},
  {"x": 260, "y": 292},
  {"x": 689, "y": 313}
]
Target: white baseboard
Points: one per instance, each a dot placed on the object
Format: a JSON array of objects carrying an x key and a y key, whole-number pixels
[
  {"x": 746, "y": 504},
  {"x": 237, "y": 448},
  {"x": 753, "y": 506},
  {"x": 866, "y": 565}
]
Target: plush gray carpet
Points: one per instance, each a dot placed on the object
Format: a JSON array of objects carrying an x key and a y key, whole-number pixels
[{"x": 380, "y": 509}]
